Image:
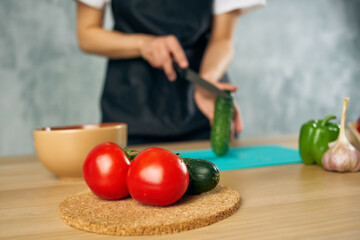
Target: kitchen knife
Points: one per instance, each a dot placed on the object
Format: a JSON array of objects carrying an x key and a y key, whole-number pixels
[{"x": 193, "y": 77}]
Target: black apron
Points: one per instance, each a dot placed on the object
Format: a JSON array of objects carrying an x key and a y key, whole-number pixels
[{"x": 155, "y": 109}]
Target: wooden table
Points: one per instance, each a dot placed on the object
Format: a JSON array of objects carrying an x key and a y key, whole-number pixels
[{"x": 282, "y": 202}]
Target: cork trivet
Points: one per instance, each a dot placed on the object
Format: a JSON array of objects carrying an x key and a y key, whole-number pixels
[{"x": 87, "y": 212}]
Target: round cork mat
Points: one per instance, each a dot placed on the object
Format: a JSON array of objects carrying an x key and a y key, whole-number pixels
[{"x": 127, "y": 217}]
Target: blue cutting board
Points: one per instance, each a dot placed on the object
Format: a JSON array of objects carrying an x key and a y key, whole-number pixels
[{"x": 247, "y": 157}]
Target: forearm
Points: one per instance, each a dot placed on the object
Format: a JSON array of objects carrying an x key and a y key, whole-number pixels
[
  {"x": 216, "y": 60},
  {"x": 219, "y": 51},
  {"x": 111, "y": 44},
  {"x": 93, "y": 38}
]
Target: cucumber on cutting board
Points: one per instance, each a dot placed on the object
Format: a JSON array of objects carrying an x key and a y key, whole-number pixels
[
  {"x": 204, "y": 175},
  {"x": 221, "y": 128}
]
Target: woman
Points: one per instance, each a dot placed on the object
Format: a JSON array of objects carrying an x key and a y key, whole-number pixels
[{"x": 141, "y": 86}]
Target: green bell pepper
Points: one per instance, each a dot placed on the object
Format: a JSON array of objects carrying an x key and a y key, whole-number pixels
[{"x": 314, "y": 139}]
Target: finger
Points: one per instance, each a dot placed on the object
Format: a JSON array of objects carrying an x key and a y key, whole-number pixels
[
  {"x": 211, "y": 120},
  {"x": 232, "y": 137},
  {"x": 237, "y": 120},
  {"x": 177, "y": 51},
  {"x": 160, "y": 54},
  {"x": 169, "y": 69},
  {"x": 226, "y": 86}
]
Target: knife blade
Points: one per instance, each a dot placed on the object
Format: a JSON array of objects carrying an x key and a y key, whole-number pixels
[{"x": 193, "y": 77}]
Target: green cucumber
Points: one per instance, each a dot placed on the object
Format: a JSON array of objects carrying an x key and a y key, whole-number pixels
[
  {"x": 204, "y": 175},
  {"x": 221, "y": 129}
]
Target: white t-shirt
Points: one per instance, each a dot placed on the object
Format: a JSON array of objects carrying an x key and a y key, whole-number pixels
[{"x": 220, "y": 6}]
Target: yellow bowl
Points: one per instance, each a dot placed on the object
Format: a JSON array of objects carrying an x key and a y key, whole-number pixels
[
  {"x": 354, "y": 135},
  {"x": 62, "y": 150}
]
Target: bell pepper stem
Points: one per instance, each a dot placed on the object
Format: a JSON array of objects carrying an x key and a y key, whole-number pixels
[{"x": 326, "y": 120}]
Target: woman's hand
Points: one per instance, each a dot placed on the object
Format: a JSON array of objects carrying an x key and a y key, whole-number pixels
[
  {"x": 161, "y": 51},
  {"x": 205, "y": 101}
]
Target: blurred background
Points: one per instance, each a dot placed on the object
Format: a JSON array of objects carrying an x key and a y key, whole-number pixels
[{"x": 294, "y": 61}]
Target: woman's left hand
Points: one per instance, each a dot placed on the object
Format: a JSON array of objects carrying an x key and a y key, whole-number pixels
[{"x": 205, "y": 101}]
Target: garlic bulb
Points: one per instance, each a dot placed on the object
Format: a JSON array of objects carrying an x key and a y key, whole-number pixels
[{"x": 342, "y": 156}]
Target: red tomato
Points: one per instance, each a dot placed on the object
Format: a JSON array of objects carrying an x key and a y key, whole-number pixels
[
  {"x": 105, "y": 170},
  {"x": 157, "y": 177},
  {"x": 358, "y": 124}
]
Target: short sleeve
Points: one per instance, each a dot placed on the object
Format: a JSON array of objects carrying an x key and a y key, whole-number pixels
[
  {"x": 99, "y": 4},
  {"x": 223, "y": 6}
]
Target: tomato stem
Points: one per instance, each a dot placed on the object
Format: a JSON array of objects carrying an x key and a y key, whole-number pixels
[{"x": 131, "y": 153}]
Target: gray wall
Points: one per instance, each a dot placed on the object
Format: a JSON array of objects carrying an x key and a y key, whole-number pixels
[{"x": 294, "y": 61}]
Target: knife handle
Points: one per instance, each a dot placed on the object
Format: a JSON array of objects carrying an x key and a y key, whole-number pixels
[{"x": 180, "y": 71}]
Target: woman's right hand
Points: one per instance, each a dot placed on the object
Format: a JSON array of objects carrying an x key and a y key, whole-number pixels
[{"x": 161, "y": 51}]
